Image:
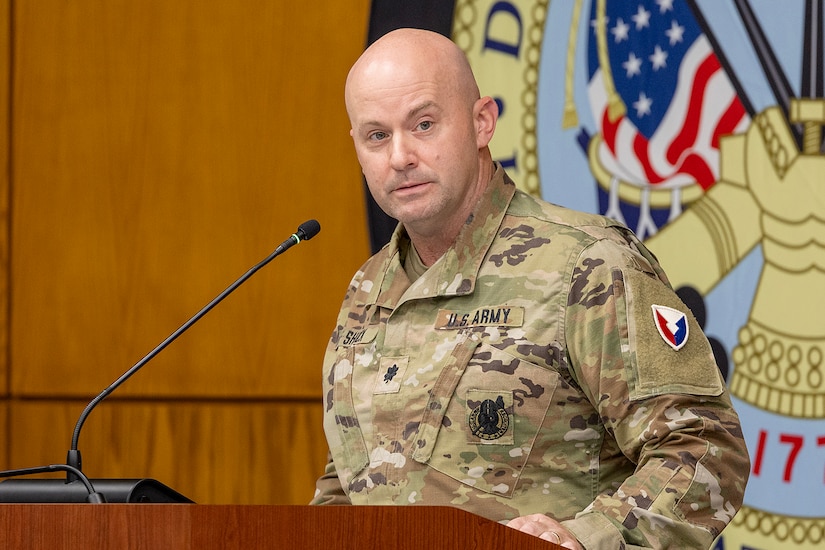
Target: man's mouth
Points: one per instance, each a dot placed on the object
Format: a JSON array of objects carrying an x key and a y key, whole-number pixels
[{"x": 410, "y": 185}]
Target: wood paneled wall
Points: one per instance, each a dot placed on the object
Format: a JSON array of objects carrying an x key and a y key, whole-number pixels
[
  {"x": 156, "y": 151},
  {"x": 5, "y": 153}
]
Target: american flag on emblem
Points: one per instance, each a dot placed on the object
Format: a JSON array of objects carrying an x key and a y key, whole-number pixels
[{"x": 658, "y": 94}]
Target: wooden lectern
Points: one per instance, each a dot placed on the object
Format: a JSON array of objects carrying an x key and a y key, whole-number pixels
[{"x": 228, "y": 527}]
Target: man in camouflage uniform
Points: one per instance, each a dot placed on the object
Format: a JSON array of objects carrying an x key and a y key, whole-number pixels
[{"x": 521, "y": 361}]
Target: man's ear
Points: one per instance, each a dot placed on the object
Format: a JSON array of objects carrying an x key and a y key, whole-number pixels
[{"x": 485, "y": 113}]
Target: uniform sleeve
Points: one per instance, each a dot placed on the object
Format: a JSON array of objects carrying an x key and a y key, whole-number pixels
[
  {"x": 328, "y": 488},
  {"x": 643, "y": 361}
]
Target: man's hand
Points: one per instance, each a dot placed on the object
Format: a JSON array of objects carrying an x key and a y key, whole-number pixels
[{"x": 546, "y": 528}]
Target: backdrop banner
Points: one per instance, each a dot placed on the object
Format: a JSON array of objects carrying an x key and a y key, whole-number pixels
[{"x": 699, "y": 125}]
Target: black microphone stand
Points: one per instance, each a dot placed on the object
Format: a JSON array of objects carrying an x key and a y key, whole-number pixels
[
  {"x": 124, "y": 490},
  {"x": 306, "y": 231}
]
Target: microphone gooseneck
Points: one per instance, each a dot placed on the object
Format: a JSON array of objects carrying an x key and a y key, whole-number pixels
[
  {"x": 305, "y": 231},
  {"x": 94, "y": 497}
]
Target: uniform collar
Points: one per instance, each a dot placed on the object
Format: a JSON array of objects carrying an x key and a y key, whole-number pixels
[{"x": 455, "y": 273}]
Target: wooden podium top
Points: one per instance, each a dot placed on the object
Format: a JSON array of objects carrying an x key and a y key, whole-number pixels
[{"x": 205, "y": 527}]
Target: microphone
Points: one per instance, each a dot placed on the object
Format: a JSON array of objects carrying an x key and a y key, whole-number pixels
[
  {"x": 73, "y": 465},
  {"x": 305, "y": 232}
]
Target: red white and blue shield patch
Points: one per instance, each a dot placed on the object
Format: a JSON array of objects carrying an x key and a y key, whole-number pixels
[{"x": 672, "y": 325}]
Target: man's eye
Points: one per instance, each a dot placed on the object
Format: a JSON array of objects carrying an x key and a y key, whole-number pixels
[
  {"x": 377, "y": 136},
  {"x": 426, "y": 125}
]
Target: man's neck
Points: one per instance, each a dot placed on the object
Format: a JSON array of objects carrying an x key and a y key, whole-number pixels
[
  {"x": 429, "y": 251},
  {"x": 431, "y": 247}
]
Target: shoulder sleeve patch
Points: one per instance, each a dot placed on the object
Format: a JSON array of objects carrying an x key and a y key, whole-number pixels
[
  {"x": 667, "y": 350},
  {"x": 672, "y": 325}
]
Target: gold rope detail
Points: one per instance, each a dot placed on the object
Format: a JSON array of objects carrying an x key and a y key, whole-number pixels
[
  {"x": 570, "y": 119},
  {"x": 464, "y": 18},
  {"x": 615, "y": 105},
  {"x": 529, "y": 98},
  {"x": 788, "y": 531}
]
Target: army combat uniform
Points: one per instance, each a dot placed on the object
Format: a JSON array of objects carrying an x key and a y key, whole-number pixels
[{"x": 542, "y": 365}]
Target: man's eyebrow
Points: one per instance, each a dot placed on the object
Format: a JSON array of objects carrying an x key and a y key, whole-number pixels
[
  {"x": 412, "y": 113},
  {"x": 424, "y": 106}
]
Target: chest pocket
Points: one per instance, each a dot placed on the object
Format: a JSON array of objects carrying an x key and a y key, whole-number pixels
[{"x": 481, "y": 426}]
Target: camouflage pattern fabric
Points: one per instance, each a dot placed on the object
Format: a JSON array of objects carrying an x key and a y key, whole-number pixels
[{"x": 524, "y": 373}]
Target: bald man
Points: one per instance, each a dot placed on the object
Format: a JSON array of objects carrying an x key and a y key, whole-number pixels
[{"x": 524, "y": 362}]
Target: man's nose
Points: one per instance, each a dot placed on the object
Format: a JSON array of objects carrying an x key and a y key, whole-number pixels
[{"x": 402, "y": 152}]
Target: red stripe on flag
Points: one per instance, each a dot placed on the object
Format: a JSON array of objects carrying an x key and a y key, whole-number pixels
[
  {"x": 729, "y": 120},
  {"x": 609, "y": 130},
  {"x": 640, "y": 146},
  {"x": 693, "y": 117},
  {"x": 696, "y": 166}
]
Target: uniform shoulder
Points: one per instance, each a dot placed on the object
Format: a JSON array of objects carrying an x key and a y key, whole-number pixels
[
  {"x": 595, "y": 225},
  {"x": 589, "y": 235}
]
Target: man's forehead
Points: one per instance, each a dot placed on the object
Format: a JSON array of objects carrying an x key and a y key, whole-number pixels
[
  {"x": 382, "y": 110},
  {"x": 394, "y": 76}
]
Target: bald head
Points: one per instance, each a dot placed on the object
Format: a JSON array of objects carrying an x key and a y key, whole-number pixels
[
  {"x": 412, "y": 53},
  {"x": 421, "y": 132}
]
